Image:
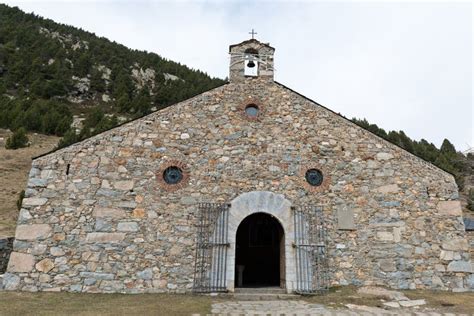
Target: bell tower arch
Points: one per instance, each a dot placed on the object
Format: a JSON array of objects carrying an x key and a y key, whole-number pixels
[{"x": 251, "y": 59}]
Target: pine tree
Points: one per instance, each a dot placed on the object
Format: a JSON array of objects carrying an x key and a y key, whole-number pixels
[{"x": 447, "y": 147}]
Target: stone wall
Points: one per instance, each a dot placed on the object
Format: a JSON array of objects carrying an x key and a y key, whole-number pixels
[
  {"x": 109, "y": 224},
  {"x": 6, "y": 247}
]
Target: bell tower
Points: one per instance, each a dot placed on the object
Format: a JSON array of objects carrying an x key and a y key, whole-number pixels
[{"x": 251, "y": 59}]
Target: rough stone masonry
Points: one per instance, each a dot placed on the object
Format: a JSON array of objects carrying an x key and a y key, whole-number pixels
[{"x": 99, "y": 217}]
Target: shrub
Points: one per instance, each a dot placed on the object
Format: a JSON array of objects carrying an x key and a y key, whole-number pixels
[
  {"x": 17, "y": 140},
  {"x": 20, "y": 199},
  {"x": 470, "y": 200}
]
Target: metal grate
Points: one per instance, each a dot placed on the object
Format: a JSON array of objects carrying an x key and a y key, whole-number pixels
[
  {"x": 312, "y": 273},
  {"x": 211, "y": 248}
]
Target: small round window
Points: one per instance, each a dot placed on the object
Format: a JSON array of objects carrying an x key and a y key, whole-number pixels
[
  {"x": 314, "y": 177},
  {"x": 173, "y": 175},
  {"x": 251, "y": 110}
]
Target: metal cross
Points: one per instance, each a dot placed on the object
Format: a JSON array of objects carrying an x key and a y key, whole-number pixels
[{"x": 253, "y": 33}]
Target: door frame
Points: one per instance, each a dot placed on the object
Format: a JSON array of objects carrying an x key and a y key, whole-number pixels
[{"x": 262, "y": 202}]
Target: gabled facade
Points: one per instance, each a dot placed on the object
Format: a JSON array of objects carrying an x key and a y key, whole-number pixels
[{"x": 244, "y": 185}]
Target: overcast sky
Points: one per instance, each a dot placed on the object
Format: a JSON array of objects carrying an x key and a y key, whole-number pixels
[{"x": 404, "y": 66}]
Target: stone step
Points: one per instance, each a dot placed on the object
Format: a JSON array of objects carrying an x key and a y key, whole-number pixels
[
  {"x": 260, "y": 290},
  {"x": 258, "y": 296},
  {"x": 265, "y": 297}
]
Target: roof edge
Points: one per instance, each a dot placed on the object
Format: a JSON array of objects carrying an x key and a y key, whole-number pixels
[
  {"x": 348, "y": 120},
  {"x": 126, "y": 122},
  {"x": 252, "y": 40}
]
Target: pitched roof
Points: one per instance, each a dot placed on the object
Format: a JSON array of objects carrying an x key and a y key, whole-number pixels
[
  {"x": 123, "y": 123},
  {"x": 345, "y": 118},
  {"x": 278, "y": 83}
]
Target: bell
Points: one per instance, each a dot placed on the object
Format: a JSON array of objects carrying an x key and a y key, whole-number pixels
[{"x": 251, "y": 64}]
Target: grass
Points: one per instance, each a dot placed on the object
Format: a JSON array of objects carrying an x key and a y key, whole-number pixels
[
  {"x": 340, "y": 296},
  {"x": 14, "y": 168},
  {"x": 446, "y": 302},
  {"x": 23, "y": 303}
]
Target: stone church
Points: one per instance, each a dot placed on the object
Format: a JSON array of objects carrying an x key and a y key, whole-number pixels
[{"x": 250, "y": 184}]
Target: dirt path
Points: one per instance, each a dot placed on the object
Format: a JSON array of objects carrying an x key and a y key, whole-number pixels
[{"x": 14, "y": 168}]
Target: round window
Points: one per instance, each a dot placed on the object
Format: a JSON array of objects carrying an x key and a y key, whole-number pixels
[
  {"x": 251, "y": 110},
  {"x": 173, "y": 175},
  {"x": 314, "y": 177}
]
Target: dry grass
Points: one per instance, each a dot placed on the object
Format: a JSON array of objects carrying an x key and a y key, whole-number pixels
[
  {"x": 340, "y": 296},
  {"x": 14, "y": 168},
  {"x": 16, "y": 303},
  {"x": 446, "y": 302},
  {"x": 24, "y": 303}
]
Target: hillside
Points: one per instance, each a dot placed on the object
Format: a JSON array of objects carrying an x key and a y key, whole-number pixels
[
  {"x": 15, "y": 165},
  {"x": 50, "y": 72}
]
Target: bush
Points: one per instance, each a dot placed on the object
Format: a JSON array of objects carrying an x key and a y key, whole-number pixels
[
  {"x": 20, "y": 199},
  {"x": 17, "y": 140},
  {"x": 470, "y": 200}
]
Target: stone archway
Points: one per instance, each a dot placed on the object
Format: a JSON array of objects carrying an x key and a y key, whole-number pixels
[{"x": 262, "y": 202}]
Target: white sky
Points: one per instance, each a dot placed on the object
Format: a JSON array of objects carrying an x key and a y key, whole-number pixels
[{"x": 404, "y": 66}]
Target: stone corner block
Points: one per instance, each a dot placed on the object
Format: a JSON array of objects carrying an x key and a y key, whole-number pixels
[
  {"x": 20, "y": 262},
  {"x": 11, "y": 282},
  {"x": 450, "y": 208},
  {"x": 34, "y": 201},
  {"x": 456, "y": 244},
  {"x": 32, "y": 232}
]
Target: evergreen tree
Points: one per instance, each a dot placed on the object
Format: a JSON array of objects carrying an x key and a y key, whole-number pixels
[
  {"x": 470, "y": 200},
  {"x": 17, "y": 140},
  {"x": 447, "y": 147}
]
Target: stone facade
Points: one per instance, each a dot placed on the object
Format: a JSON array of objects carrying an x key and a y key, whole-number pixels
[{"x": 97, "y": 216}]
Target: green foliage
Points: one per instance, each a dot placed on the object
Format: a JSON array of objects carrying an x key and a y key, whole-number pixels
[
  {"x": 17, "y": 140},
  {"x": 446, "y": 157},
  {"x": 70, "y": 137},
  {"x": 470, "y": 200},
  {"x": 42, "y": 116},
  {"x": 37, "y": 69},
  {"x": 447, "y": 147},
  {"x": 20, "y": 199}
]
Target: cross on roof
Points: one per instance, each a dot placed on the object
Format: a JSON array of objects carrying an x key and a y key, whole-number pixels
[{"x": 253, "y": 33}]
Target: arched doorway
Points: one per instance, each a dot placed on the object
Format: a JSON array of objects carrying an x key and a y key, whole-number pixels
[{"x": 260, "y": 252}]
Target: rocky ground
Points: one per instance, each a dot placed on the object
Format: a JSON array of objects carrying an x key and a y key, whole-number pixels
[{"x": 14, "y": 168}]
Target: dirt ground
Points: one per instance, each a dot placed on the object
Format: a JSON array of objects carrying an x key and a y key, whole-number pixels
[{"x": 14, "y": 168}]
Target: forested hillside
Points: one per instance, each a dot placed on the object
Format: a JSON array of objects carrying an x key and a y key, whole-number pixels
[
  {"x": 50, "y": 71},
  {"x": 446, "y": 157}
]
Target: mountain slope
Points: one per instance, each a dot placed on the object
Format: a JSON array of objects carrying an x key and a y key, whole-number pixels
[{"x": 50, "y": 71}]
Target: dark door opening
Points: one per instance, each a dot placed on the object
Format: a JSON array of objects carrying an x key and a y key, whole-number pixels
[{"x": 260, "y": 249}]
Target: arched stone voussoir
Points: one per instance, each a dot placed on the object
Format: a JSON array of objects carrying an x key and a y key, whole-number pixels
[{"x": 267, "y": 202}]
